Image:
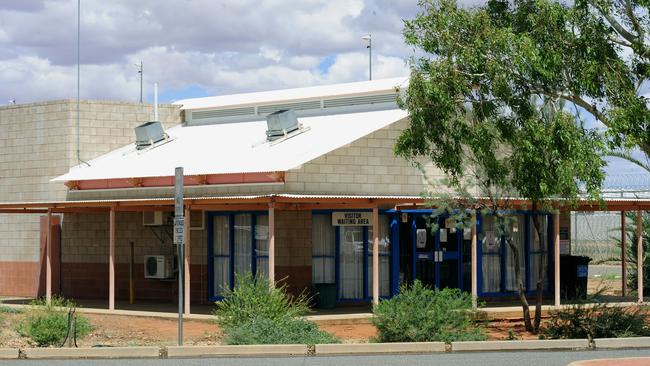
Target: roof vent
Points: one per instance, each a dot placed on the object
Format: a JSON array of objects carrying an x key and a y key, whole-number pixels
[
  {"x": 280, "y": 124},
  {"x": 147, "y": 134}
]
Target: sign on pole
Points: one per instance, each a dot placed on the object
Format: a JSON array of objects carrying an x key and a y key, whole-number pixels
[{"x": 179, "y": 238}]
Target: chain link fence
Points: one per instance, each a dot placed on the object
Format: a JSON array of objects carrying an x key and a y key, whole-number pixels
[{"x": 596, "y": 235}]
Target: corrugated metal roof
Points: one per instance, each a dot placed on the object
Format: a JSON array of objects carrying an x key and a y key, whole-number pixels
[
  {"x": 234, "y": 148},
  {"x": 275, "y": 96},
  {"x": 311, "y": 198}
]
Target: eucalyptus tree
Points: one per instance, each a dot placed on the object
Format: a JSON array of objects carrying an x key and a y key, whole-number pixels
[{"x": 484, "y": 105}]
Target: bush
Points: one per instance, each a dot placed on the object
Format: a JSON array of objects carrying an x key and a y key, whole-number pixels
[
  {"x": 256, "y": 313},
  {"x": 597, "y": 321},
  {"x": 47, "y": 324},
  {"x": 420, "y": 314},
  {"x": 279, "y": 331}
]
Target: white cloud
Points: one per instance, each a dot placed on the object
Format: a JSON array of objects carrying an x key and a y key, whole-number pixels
[{"x": 222, "y": 47}]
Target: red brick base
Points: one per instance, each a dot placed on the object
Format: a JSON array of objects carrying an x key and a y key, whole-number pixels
[{"x": 19, "y": 278}]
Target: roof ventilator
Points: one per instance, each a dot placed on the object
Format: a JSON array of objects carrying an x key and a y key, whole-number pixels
[
  {"x": 149, "y": 134},
  {"x": 283, "y": 125}
]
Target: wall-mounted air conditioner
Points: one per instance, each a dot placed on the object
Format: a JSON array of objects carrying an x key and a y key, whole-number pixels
[
  {"x": 158, "y": 266},
  {"x": 153, "y": 218}
]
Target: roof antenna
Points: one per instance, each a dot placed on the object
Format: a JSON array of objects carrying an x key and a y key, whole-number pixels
[
  {"x": 78, "y": 79},
  {"x": 155, "y": 102}
]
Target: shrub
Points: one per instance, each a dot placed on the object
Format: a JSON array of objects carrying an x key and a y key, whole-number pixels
[
  {"x": 420, "y": 314},
  {"x": 47, "y": 324},
  {"x": 256, "y": 313},
  {"x": 279, "y": 331},
  {"x": 597, "y": 321}
]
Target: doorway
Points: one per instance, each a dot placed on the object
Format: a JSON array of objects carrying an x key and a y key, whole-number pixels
[{"x": 435, "y": 256}]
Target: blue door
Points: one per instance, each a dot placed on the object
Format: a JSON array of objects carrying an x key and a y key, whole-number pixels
[{"x": 436, "y": 258}]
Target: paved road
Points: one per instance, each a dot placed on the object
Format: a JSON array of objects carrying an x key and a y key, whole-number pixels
[{"x": 452, "y": 359}]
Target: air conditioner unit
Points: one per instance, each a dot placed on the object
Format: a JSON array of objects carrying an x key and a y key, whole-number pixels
[
  {"x": 157, "y": 266},
  {"x": 153, "y": 218}
]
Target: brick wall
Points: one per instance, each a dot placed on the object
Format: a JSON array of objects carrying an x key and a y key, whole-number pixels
[{"x": 38, "y": 143}]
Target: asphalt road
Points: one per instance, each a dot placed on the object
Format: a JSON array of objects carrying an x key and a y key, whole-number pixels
[{"x": 452, "y": 359}]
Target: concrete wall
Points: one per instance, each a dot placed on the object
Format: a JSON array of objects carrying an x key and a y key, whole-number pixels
[{"x": 38, "y": 143}]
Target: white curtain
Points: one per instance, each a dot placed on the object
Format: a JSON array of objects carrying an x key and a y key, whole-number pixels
[
  {"x": 384, "y": 256},
  {"x": 243, "y": 244},
  {"x": 323, "y": 249},
  {"x": 351, "y": 262},
  {"x": 538, "y": 248},
  {"x": 262, "y": 245},
  {"x": 221, "y": 250},
  {"x": 518, "y": 233},
  {"x": 491, "y": 249}
]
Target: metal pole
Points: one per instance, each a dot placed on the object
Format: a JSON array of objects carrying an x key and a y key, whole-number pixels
[
  {"x": 474, "y": 263},
  {"x": 556, "y": 258},
  {"x": 639, "y": 254},
  {"x": 375, "y": 255},
  {"x": 623, "y": 256},
  {"x": 141, "y": 71},
  {"x": 78, "y": 76},
  {"x": 370, "y": 58},
  {"x": 179, "y": 237}
]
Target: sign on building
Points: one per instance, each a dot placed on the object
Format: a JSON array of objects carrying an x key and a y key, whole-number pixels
[{"x": 351, "y": 218}]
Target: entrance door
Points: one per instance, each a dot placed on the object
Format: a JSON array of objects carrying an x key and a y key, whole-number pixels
[{"x": 436, "y": 252}]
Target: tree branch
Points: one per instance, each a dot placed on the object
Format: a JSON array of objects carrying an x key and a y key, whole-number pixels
[
  {"x": 618, "y": 27},
  {"x": 635, "y": 21}
]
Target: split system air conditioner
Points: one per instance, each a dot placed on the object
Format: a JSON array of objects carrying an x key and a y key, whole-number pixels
[
  {"x": 158, "y": 266},
  {"x": 153, "y": 218}
]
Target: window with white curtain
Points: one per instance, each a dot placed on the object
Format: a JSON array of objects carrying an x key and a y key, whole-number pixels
[
  {"x": 354, "y": 252},
  {"x": 262, "y": 245},
  {"x": 244, "y": 250},
  {"x": 491, "y": 255},
  {"x": 323, "y": 249},
  {"x": 518, "y": 237},
  {"x": 351, "y": 262},
  {"x": 221, "y": 255},
  {"x": 538, "y": 249}
]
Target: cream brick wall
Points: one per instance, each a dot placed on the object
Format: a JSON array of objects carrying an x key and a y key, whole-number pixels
[
  {"x": 38, "y": 143},
  {"x": 293, "y": 238},
  {"x": 85, "y": 239}
]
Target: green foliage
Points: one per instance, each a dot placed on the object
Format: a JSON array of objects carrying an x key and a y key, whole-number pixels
[
  {"x": 284, "y": 330},
  {"x": 256, "y": 313},
  {"x": 420, "y": 314},
  {"x": 476, "y": 111},
  {"x": 597, "y": 321},
  {"x": 47, "y": 324},
  {"x": 592, "y": 54},
  {"x": 254, "y": 298}
]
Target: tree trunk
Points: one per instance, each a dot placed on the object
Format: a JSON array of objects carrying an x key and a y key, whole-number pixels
[
  {"x": 521, "y": 290},
  {"x": 542, "y": 271}
]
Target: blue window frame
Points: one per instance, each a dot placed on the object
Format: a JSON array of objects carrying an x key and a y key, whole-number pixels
[
  {"x": 364, "y": 245},
  {"x": 237, "y": 243},
  {"x": 500, "y": 256}
]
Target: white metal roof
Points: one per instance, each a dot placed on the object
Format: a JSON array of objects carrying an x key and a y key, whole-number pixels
[
  {"x": 274, "y": 96},
  {"x": 234, "y": 148}
]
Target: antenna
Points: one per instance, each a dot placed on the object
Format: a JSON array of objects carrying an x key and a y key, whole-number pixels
[
  {"x": 368, "y": 37},
  {"x": 79, "y": 78},
  {"x": 140, "y": 69},
  {"x": 155, "y": 102}
]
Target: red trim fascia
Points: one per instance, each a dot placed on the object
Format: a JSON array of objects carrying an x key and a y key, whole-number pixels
[{"x": 189, "y": 180}]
